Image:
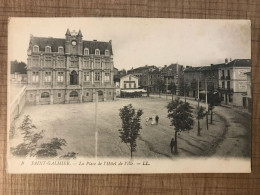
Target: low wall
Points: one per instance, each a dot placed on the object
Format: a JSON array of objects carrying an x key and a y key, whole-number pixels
[{"x": 18, "y": 104}]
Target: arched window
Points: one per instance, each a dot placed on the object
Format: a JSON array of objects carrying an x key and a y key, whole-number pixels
[
  {"x": 74, "y": 78},
  {"x": 45, "y": 95},
  {"x": 48, "y": 49},
  {"x": 106, "y": 52},
  {"x": 73, "y": 94},
  {"x": 35, "y": 48},
  {"x": 97, "y": 52},
  {"x": 60, "y": 49},
  {"x": 86, "y": 51}
]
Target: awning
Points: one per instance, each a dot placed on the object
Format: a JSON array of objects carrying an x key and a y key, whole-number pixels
[{"x": 133, "y": 90}]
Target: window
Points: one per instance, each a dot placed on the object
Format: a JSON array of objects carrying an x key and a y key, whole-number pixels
[
  {"x": 109, "y": 93},
  {"x": 223, "y": 73},
  {"x": 228, "y": 84},
  {"x": 86, "y": 62},
  {"x": 134, "y": 85},
  {"x": 228, "y": 73},
  {"x": 47, "y": 77},
  {"x": 223, "y": 84},
  {"x": 31, "y": 96},
  {"x": 97, "y": 76},
  {"x": 48, "y": 49},
  {"x": 107, "y": 78},
  {"x": 86, "y": 51},
  {"x": 73, "y": 94},
  {"x": 107, "y": 53},
  {"x": 230, "y": 98},
  {"x": 97, "y": 63},
  {"x": 45, "y": 95},
  {"x": 60, "y": 50},
  {"x": 107, "y": 64},
  {"x": 60, "y": 77},
  {"x": 35, "y": 77},
  {"x": 97, "y": 52},
  {"x": 130, "y": 86},
  {"x": 59, "y": 95},
  {"x": 48, "y": 61},
  {"x": 35, "y": 48},
  {"x": 125, "y": 85},
  {"x": 87, "y": 94},
  {"x": 35, "y": 61},
  {"x": 86, "y": 76}
]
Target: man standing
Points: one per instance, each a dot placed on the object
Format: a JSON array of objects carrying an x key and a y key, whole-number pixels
[{"x": 157, "y": 119}]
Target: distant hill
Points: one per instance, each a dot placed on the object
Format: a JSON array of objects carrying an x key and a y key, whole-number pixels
[{"x": 18, "y": 67}]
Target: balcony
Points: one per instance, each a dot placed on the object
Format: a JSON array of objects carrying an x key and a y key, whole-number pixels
[{"x": 229, "y": 90}]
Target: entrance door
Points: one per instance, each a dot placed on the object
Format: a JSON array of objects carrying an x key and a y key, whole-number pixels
[
  {"x": 100, "y": 96},
  {"x": 45, "y": 98}
]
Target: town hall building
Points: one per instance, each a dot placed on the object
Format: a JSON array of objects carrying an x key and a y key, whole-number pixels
[{"x": 69, "y": 70}]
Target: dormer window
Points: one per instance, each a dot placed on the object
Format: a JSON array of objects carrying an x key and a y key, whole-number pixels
[
  {"x": 107, "y": 53},
  {"x": 86, "y": 51},
  {"x": 60, "y": 50},
  {"x": 48, "y": 49},
  {"x": 35, "y": 48},
  {"x": 97, "y": 52}
]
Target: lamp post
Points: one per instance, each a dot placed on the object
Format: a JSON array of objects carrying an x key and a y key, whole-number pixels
[{"x": 206, "y": 93}]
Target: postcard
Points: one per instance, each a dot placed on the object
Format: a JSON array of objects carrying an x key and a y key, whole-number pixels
[{"x": 129, "y": 95}]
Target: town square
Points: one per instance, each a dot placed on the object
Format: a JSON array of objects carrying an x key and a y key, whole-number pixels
[{"x": 138, "y": 92}]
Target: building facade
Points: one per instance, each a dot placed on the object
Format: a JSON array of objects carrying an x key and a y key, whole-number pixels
[
  {"x": 233, "y": 81},
  {"x": 69, "y": 70}
]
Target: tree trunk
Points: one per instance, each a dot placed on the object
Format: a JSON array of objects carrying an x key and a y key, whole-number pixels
[
  {"x": 175, "y": 144},
  {"x": 207, "y": 122},
  {"x": 131, "y": 152},
  {"x": 211, "y": 116},
  {"x": 198, "y": 127}
]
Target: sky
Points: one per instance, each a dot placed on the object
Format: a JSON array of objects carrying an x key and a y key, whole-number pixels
[{"x": 143, "y": 41}]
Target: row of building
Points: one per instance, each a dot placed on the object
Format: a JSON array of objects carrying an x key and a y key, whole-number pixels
[
  {"x": 72, "y": 70},
  {"x": 230, "y": 81}
]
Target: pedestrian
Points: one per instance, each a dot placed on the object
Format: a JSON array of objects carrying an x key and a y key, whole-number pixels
[
  {"x": 157, "y": 119},
  {"x": 172, "y": 145}
]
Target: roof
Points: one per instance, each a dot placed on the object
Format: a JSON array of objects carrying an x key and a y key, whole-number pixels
[
  {"x": 133, "y": 90},
  {"x": 240, "y": 63},
  {"x": 55, "y": 43},
  {"x": 129, "y": 75}
]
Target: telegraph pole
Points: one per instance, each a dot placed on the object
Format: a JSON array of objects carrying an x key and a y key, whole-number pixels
[
  {"x": 206, "y": 92},
  {"x": 96, "y": 129}
]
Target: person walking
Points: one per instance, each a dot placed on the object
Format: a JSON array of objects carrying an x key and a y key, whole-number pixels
[
  {"x": 172, "y": 145},
  {"x": 157, "y": 119}
]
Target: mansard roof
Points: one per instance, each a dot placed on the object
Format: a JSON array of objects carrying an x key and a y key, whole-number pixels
[{"x": 55, "y": 43}]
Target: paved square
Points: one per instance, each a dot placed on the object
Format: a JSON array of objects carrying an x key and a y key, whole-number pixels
[{"x": 76, "y": 124}]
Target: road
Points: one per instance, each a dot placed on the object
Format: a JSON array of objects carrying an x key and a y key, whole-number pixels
[{"x": 235, "y": 140}]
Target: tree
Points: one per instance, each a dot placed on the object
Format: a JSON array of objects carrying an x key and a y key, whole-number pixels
[
  {"x": 160, "y": 85},
  {"x": 30, "y": 138},
  {"x": 130, "y": 126},
  {"x": 50, "y": 149},
  {"x": 200, "y": 114},
  {"x": 172, "y": 88},
  {"x": 180, "y": 114}
]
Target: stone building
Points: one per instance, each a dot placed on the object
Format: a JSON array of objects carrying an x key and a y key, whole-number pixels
[
  {"x": 172, "y": 75},
  {"x": 69, "y": 70},
  {"x": 233, "y": 81},
  {"x": 143, "y": 74}
]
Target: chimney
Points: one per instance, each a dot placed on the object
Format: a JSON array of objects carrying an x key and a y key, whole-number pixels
[
  {"x": 230, "y": 59},
  {"x": 226, "y": 60}
]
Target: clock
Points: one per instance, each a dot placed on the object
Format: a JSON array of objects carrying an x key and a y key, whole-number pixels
[{"x": 74, "y": 43}]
